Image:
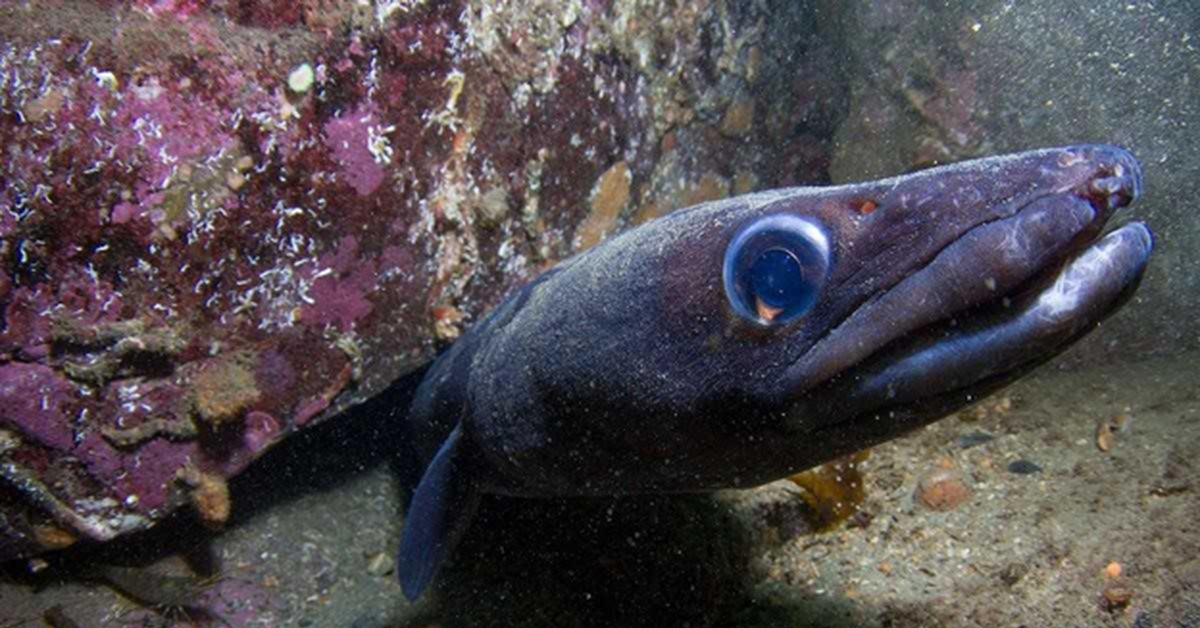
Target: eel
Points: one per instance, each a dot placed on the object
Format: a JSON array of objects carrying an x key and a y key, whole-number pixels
[{"x": 740, "y": 341}]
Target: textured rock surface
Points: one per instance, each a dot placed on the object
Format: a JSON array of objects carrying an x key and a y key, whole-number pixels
[{"x": 223, "y": 222}]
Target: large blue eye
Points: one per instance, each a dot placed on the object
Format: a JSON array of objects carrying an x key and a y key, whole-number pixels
[{"x": 775, "y": 267}]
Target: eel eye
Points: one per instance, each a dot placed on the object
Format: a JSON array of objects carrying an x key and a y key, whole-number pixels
[{"x": 775, "y": 267}]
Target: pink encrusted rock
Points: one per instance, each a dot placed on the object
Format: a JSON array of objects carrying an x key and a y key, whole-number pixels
[
  {"x": 26, "y": 330},
  {"x": 168, "y": 201},
  {"x": 261, "y": 430},
  {"x": 309, "y": 410},
  {"x": 151, "y": 471},
  {"x": 339, "y": 287},
  {"x": 140, "y": 481},
  {"x": 350, "y": 138},
  {"x": 103, "y": 461},
  {"x": 37, "y": 404}
]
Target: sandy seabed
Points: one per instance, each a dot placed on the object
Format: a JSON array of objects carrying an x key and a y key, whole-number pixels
[{"x": 317, "y": 521}]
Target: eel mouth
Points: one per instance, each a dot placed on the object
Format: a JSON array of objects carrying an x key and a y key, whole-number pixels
[{"x": 1009, "y": 295}]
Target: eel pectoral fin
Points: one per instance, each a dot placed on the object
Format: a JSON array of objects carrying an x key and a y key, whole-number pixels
[{"x": 441, "y": 510}]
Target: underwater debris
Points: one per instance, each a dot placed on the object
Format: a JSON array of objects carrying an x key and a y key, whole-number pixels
[
  {"x": 53, "y": 537},
  {"x": 833, "y": 491},
  {"x": 973, "y": 439},
  {"x": 994, "y": 406},
  {"x": 1108, "y": 429}
]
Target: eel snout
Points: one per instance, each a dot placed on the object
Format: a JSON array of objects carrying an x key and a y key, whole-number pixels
[
  {"x": 1018, "y": 241},
  {"x": 1008, "y": 296}
]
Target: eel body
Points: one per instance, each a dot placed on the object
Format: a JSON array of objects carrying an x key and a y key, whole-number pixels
[{"x": 738, "y": 342}]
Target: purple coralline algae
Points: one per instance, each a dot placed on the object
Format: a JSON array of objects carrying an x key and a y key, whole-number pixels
[
  {"x": 38, "y": 404},
  {"x": 340, "y": 281},
  {"x": 359, "y": 145},
  {"x": 199, "y": 256}
]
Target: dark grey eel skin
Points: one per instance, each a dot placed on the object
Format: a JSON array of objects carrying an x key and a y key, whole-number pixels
[{"x": 737, "y": 342}]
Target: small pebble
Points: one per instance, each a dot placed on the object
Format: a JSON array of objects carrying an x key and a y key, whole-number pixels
[
  {"x": 381, "y": 564},
  {"x": 301, "y": 78},
  {"x": 967, "y": 441},
  {"x": 1104, "y": 436},
  {"x": 235, "y": 181},
  {"x": 942, "y": 490},
  {"x": 1117, "y": 594},
  {"x": 1107, "y": 430},
  {"x": 1023, "y": 467},
  {"x": 738, "y": 118}
]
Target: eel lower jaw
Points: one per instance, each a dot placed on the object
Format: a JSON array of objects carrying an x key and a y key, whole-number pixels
[{"x": 948, "y": 364}]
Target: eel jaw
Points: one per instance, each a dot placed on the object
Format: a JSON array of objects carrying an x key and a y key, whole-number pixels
[
  {"x": 930, "y": 373},
  {"x": 970, "y": 356},
  {"x": 946, "y": 361},
  {"x": 1057, "y": 202}
]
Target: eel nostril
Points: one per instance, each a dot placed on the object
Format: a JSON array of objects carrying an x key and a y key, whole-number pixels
[
  {"x": 1117, "y": 190},
  {"x": 1109, "y": 185},
  {"x": 1116, "y": 176}
]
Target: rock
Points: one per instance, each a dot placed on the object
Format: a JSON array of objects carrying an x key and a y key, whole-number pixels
[
  {"x": 942, "y": 489},
  {"x": 1023, "y": 467},
  {"x": 738, "y": 118},
  {"x": 258, "y": 217}
]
